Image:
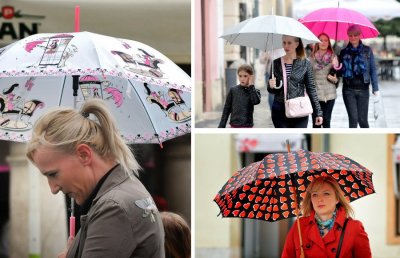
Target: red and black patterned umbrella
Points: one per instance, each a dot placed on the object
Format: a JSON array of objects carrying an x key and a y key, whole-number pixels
[{"x": 267, "y": 189}]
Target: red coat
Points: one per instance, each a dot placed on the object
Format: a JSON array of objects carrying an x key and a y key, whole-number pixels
[{"x": 355, "y": 243}]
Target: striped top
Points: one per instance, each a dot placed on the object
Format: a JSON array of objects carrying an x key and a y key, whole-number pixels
[{"x": 288, "y": 68}]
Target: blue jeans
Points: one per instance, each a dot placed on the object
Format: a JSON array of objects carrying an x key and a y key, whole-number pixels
[
  {"x": 356, "y": 102},
  {"x": 280, "y": 120},
  {"x": 326, "y": 108}
]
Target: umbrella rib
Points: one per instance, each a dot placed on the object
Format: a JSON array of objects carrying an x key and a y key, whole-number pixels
[
  {"x": 148, "y": 115},
  {"x": 97, "y": 53},
  {"x": 62, "y": 91}
]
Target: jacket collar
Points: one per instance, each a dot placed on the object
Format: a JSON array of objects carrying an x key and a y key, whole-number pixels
[
  {"x": 116, "y": 177},
  {"x": 313, "y": 232}
]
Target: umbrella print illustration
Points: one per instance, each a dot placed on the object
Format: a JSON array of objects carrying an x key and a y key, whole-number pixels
[
  {"x": 65, "y": 69},
  {"x": 272, "y": 188},
  {"x": 115, "y": 94},
  {"x": 15, "y": 109}
]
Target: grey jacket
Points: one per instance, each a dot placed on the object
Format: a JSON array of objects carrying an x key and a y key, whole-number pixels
[
  {"x": 301, "y": 78},
  {"x": 118, "y": 223}
]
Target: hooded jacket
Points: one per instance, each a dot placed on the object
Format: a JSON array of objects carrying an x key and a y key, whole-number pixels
[{"x": 355, "y": 242}]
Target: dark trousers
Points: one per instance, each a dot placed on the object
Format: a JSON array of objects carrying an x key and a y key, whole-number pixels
[
  {"x": 356, "y": 102},
  {"x": 280, "y": 120},
  {"x": 326, "y": 108}
]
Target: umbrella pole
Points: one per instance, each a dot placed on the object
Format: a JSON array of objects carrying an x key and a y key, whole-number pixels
[
  {"x": 272, "y": 64},
  {"x": 297, "y": 211},
  {"x": 298, "y": 224}
]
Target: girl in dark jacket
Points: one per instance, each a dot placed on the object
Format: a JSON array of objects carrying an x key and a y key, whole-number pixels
[
  {"x": 299, "y": 79},
  {"x": 239, "y": 104}
]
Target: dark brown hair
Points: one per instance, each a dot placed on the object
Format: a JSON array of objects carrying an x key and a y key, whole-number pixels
[
  {"x": 247, "y": 68},
  {"x": 177, "y": 236}
]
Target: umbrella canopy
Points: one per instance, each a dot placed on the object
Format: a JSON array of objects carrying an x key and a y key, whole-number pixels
[
  {"x": 372, "y": 9},
  {"x": 267, "y": 189},
  {"x": 265, "y": 32},
  {"x": 149, "y": 95},
  {"x": 335, "y": 22}
]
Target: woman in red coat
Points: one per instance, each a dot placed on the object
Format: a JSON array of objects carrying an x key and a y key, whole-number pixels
[{"x": 325, "y": 210}]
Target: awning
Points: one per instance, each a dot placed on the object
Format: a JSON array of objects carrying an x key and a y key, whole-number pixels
[{"x": 268, "y": 143}]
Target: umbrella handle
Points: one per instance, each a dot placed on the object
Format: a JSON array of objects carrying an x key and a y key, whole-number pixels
[
  {"x": 72, "y": 226},
  {"x": 280, "y": 85}
]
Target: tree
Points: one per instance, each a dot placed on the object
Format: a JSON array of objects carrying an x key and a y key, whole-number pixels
[{"x": 386, "y": 28}]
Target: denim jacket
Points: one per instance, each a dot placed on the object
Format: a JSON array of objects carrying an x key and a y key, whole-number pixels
[{"x": 370, "y": 76}]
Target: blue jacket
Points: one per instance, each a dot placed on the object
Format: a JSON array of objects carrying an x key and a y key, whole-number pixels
[{"x": 370, "y": 76}]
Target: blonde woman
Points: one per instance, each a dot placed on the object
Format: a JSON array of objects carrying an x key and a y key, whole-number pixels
[
  {"x": 358, "y": 72},
  {"x": 325, "y": 211},
  {"x": 82, "y": 154}
]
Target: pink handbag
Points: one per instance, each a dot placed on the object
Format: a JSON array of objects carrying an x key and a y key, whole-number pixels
[{"x": 295, "y": 107}]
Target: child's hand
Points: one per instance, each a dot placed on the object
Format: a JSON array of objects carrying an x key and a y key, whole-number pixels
[{"x": 251, "y": 80}]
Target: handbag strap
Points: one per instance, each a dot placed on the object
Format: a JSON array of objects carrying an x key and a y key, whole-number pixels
[
  {"x": 341, "y": 239},
  {"x": 284, "y": 78}
]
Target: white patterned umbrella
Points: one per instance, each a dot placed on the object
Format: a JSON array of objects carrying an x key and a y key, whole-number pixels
[{"x": 148, "y": 94}]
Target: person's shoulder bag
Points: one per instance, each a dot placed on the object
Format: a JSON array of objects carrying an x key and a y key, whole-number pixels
[
  {"x": 341, "y": 239},
  {"x": 295, "y": 107}
]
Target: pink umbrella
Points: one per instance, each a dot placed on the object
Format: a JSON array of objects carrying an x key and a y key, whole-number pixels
[{"x": 335, "y": 21}]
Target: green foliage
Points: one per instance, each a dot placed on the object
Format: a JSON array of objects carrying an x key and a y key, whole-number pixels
[{"x": 391, "y": 27}]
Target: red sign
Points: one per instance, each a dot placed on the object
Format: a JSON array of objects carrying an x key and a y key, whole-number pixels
[{"x": 7, "y": 12}]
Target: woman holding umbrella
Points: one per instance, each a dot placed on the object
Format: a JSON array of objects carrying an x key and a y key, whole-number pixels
[
  {"x": 358, "y": 73},
  {"x": 325, "y": 223},
  {"x": 299, "y": 79},
  {"x": 82, "y": 154},
  {"x": 325, "y": 63}
]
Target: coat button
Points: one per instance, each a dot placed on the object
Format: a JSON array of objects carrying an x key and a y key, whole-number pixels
[
  {"x": 308, "y": 245},
  {"x": 333, "y": 250}
]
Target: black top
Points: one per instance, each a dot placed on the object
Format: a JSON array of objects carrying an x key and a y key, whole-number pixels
[{"x": 88, "y": 203}]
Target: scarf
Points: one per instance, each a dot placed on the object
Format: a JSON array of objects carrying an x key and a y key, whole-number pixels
[
  {"x": 353, "y": 63},
  {"x": 322, "y": 60},
  {"x": 325, "y": 224}
]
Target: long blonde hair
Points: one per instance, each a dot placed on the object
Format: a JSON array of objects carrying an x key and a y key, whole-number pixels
[
  {"x": 306, "y": 205},
  {"x": 65, "y": 128}
]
